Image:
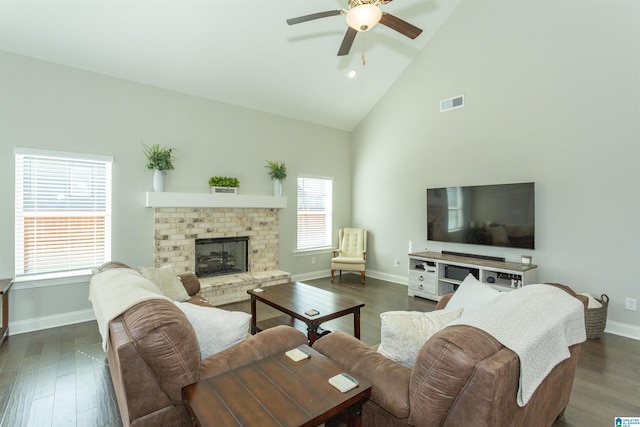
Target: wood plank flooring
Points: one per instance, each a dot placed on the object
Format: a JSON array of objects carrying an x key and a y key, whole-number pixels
[{"x": 60, "y": 377}]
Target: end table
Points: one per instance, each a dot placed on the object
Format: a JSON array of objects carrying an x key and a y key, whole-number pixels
[{"x": 5, "y": 285}]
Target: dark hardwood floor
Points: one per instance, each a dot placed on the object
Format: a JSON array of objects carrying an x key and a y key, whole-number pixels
[{"x": 60, "y": 377}]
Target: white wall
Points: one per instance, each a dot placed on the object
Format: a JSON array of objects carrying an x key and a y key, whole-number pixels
[
  {"x": 48, "y": 106},
  {"x": 552, "y": 94}
]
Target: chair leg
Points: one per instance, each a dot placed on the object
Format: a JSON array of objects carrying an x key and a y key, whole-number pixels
[
  {"x": 332, "y": 273},
  {"x": 362, "y": 272}
]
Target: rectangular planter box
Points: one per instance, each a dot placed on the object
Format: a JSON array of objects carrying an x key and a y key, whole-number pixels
[{"x": 224, "y": 190}]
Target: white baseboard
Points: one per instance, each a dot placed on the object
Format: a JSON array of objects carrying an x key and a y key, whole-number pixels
[
  {"x": 40, "y": 323},
  {"x": 310, "y": 276},
  {"x": 402, "y": 280},
  {"x": 370, "y": 273},
  {"x": 623, "y": 329}
]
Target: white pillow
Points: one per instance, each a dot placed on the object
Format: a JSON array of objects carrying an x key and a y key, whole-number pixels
[
  {"x": 403, "y": 333},
  {"x": 216, "y": 329},
  {"x": 472, "y": 295},
  {"x": 167, "y": 280}
]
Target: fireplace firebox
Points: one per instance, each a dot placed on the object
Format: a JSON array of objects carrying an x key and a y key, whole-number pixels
[{"x": 216, "y": 257}]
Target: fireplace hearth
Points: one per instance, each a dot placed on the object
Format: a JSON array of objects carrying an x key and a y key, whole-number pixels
[{"x": 220, "y": 256}]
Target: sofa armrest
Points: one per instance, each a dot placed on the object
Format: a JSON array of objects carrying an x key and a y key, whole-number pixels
[
  {"x": 584, "y": 300},
  {"x": 136, "y": 387},
  {"x": 256, "y": 347},
  {"x": 390, "y": 380}
]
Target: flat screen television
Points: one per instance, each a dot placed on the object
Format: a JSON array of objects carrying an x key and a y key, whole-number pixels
[{"x": 493, "y": 215}]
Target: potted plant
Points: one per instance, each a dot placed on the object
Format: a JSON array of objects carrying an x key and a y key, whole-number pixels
[
  {"x": 277, "y": 172},
  {"x": 224, "y": 185},
  {"x": 160, "y": 160}
]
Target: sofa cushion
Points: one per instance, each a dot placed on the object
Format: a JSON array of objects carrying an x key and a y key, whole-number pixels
[
  {"x": 403, "y": 333},
  {"x": 472, "y": 295},
  {"x": 190, "y": 282},
  {"x": 167, "y": 280},
  {"x": 216, "y": 329}
]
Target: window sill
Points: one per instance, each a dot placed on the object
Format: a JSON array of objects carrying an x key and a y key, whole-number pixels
[
  {"x": 315, "y": 251},
  {"x": 52, "y": 279}
]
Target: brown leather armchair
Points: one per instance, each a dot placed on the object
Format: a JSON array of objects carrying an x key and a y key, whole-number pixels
[
  {"x": 462, "y": 376},
  {"x": 154, "y": 352}
]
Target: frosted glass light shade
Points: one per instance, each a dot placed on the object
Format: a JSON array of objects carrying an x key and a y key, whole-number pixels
[{"x": 364, "y": 17}]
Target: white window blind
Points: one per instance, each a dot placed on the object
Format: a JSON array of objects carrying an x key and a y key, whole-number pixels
[
  {"x": 315, "y": 201},
  {"x": 63, "y": 211}
]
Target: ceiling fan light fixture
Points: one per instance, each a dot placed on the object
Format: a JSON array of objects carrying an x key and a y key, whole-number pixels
[{"x": 364, "y": 17}]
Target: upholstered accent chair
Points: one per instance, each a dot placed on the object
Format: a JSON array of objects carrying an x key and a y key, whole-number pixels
[{"x": 352, "y": 252}]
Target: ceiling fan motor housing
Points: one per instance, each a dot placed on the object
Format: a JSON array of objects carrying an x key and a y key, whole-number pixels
[{"x": 356, "y": 3}]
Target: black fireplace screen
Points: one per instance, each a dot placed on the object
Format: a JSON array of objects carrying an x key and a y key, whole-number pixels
[{"x": 215, "y": 257}]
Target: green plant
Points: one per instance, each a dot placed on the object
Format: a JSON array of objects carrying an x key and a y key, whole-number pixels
[
  {"x": 158, "y": 158},
  {"x": 223, "y": 181},
  {"x": 277, "y": 170}
]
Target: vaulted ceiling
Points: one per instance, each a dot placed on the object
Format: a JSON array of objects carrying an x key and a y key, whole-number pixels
[{"x": 240, "y": 52}]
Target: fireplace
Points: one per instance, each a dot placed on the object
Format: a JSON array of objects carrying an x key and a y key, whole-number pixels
[{"x": 220, "y": 256}]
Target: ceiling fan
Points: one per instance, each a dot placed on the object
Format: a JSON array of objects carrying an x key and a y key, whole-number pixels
[{"x": 362, "y": 16}]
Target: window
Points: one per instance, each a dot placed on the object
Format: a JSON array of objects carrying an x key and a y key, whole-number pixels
[
  {"x": 454, "y": 200},
  {"x": 63, "y": 211},
  {"x": 315, "y": 197}
]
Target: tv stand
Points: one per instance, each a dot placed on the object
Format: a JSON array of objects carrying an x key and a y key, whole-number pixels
[{"x": 434, "y": 274}]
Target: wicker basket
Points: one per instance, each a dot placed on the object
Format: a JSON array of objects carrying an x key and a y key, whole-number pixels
[{"x": 596, "y": 318}]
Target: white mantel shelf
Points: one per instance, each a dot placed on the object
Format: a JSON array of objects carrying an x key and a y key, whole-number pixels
[{"x": 208, "y": 200}]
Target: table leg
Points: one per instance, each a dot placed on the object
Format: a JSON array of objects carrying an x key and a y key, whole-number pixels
[
  {"x": 254, "y": 317},
  {"x": 356, "y": 323},
  {"x": 354, "y": 415},
  {"x": 312, "y": 332}
]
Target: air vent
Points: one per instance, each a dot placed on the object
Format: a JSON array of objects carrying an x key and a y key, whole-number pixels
[{"x": 452, "y": 103}]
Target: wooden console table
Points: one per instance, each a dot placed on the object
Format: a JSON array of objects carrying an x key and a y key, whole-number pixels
[{"x": 5, "y": 285}]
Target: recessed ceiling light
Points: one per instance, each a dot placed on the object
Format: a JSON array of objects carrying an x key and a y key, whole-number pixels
[{"x": 352, "y": 74}]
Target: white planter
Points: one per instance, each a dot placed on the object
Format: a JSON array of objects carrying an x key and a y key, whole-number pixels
[
  {"x": 158, "y": 180},
  {"x": 277, "y": 187},
  {"x": 224, "y": 190}
]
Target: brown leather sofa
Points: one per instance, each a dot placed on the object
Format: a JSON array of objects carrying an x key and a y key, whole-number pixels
[
  {"x": 153, "y": 353},
  {"x": 461, "y": 377}
]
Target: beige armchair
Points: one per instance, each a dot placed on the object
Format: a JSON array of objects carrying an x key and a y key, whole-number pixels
[{"x": 352, "y": 251}]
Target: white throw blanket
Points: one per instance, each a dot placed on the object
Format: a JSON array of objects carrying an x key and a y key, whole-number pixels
[
  {"x": 114, "y": 291},
  {"x": 537, "y": 322}
]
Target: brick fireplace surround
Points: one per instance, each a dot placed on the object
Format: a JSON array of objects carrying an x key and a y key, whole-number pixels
[{"x": 175, "y": 231}]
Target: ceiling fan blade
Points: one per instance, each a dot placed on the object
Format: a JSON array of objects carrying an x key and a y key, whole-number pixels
[
  {"x": 313, "y": 16},
  {"x": 401, "y": 26},
  {"x": 345, "y": 47}
]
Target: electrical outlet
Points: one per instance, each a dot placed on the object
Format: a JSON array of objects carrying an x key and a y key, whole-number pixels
[
  {"x": 396, "y": 263},
  {"x": 630, "y": 304},
  {"x": 313, "y": 260}
]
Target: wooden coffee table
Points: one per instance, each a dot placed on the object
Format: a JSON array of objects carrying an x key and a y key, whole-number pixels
[
  {"x": 275, "y": 392},
  {"x": 295, "y": 298}
]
